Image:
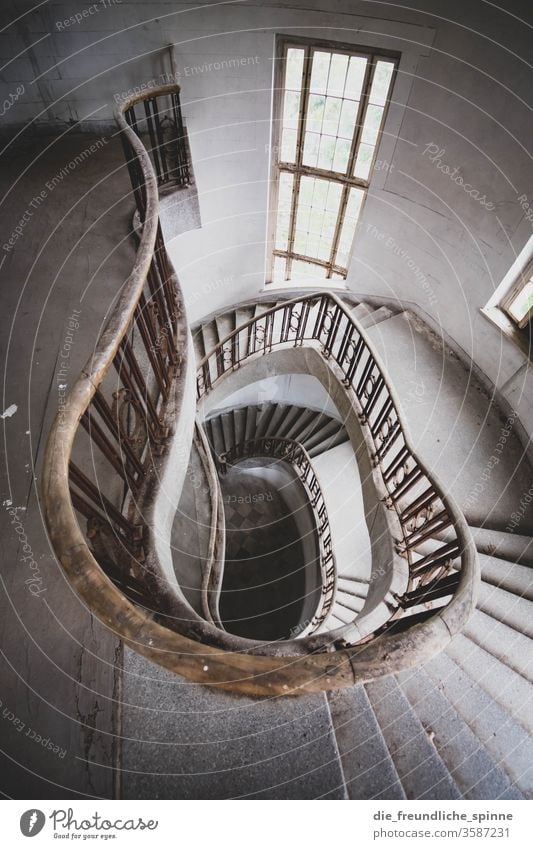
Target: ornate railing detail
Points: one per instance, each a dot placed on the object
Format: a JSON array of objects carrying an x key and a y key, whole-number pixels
[
  {"x": 125, "y": 397},
  {"x": 408, "y": 488},
  {"x": 158, "y": 120},
  {"x": 294, "y": 453},
  {"x": 128, "y": 402}
]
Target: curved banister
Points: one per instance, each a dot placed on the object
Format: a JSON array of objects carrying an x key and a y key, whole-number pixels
[
  {"x": 292, "y": 323},
  {"x": 150, "y": 304}
]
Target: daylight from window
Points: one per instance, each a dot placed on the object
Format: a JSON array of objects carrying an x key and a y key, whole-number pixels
[{"x": 331, "y": 114}]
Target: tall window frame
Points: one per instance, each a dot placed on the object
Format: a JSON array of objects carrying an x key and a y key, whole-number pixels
[
  {"x": 518, "y": 304},
  {"x": 347, "y": 187}
]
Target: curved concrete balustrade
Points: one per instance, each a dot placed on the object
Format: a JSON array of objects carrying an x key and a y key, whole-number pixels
[{"x": 151, "y": 464}]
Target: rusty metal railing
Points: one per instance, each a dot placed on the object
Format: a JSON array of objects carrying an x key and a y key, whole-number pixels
[
  {"x": 422, "y": 509},
  {"x": 128, "y": 402}
]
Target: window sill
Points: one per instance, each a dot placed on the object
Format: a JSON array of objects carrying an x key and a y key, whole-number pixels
[
  {"x": 304, "y": 283},
  {"x": 521, "y": 338}
]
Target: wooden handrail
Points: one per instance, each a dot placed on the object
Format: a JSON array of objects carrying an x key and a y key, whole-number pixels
[{"x": 150, "y": 302}]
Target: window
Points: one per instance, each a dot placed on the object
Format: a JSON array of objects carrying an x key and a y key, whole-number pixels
[
  {"x": 519, "y": 303},
  {"x": 331, "y": 109},
  {"x": 511, "y": 306}
]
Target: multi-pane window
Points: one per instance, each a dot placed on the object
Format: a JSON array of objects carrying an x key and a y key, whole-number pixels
[
  {"x": 331, "y": 113},
  {"x": 519, "y": 303}
]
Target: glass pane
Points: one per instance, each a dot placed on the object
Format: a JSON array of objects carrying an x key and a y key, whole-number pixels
[
  {"x": 332, "y": 114},
  {"x": 372, "y": 124},
  {"x": 293, "y": 68},
  {"x": 307, "y": 269},
  {"x": 353, "y": 208},
  {"x": 326, "y": 153},
  {"x": 355, "y": 77},
  {"x": 348, "y": 116},
  {"x": 319, "y": 72},
  {"x": 284, "y": 210},
  {"x": 337, "y": 74},
  {"x": 522, "y": 303},
  {"x": 291, "y": 109},
  {"x": 312, "y": 143},
  {"x": 363, "y": 162},
  {"x": 342, "y": 153},
  {"x": 381, "y": 82},
  {"x": 278, "y": 274},
  {"x": 315, "y": 112},
  {"x": 316, "y": 217},
  {"x": 288, "y": 146}
]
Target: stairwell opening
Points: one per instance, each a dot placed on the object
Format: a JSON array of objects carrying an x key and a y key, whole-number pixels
[{"x": 271, "y": 584}]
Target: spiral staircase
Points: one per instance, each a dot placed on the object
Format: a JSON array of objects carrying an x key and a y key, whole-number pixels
[{"x": 406, "y": 645}]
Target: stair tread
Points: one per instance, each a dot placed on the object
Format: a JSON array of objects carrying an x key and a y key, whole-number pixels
[
  {"x": 507, "y": 741},
  {"x": 512, "y": 692},
  {"x": 508, "y": 645},
  {"x": 506, "y": 607},
  {"x": 511, "y": 577},
  {"x": 468, "y": 762},
  {"x": 421, "y": 770},
  {"x": 368, "y": 768},
  {"x": 376, "y": 317}
]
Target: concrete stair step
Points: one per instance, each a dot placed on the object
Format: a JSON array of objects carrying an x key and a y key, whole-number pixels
[
  {"x": 506, "y": 607},
  {"x": 278, "y": 415},
  {"x": 240, "y": 316},
  {"x": 320, "y": 425},
  {"x": 263, "y": 420},
  {"x": 291, "y": 415},
  {"x": 454, "y": 425},
  {"x": 361, "y": 311},
  {"x": 349, "y": 603},
  {"x": 320, "y": 430},
  {"x": 337, "y": 438},
  {"x": 225, "y": 324},
  {"x": 239, "y": 424},
  {"x": 468, "y": 762},
  {"x": 224, "y": 746},
  {"x": 210, "y": 336},
  {"x": 506, "y": 740},
  {"x": 511, "y": 691},
  {"x": 252, "y": 414},
  {"x": 227, "y": 422},
  {"x": 504, "y": 643},
  {"x": 368, "y": 768},
  {"x": 512, "y": 577},
  {"x": 420, "y": 768},
  {"x": 198, "y": 343},
  {"x": 343, "y": 614},
  {"x": 376, "y": 317},
  {"x": 496, "y": 543},
  {"x": 300, "y": 423},
  {"x": 216, "y": 435},
  {"x": 332, "y": 622},
  {"x": 352, "y": 586}
]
